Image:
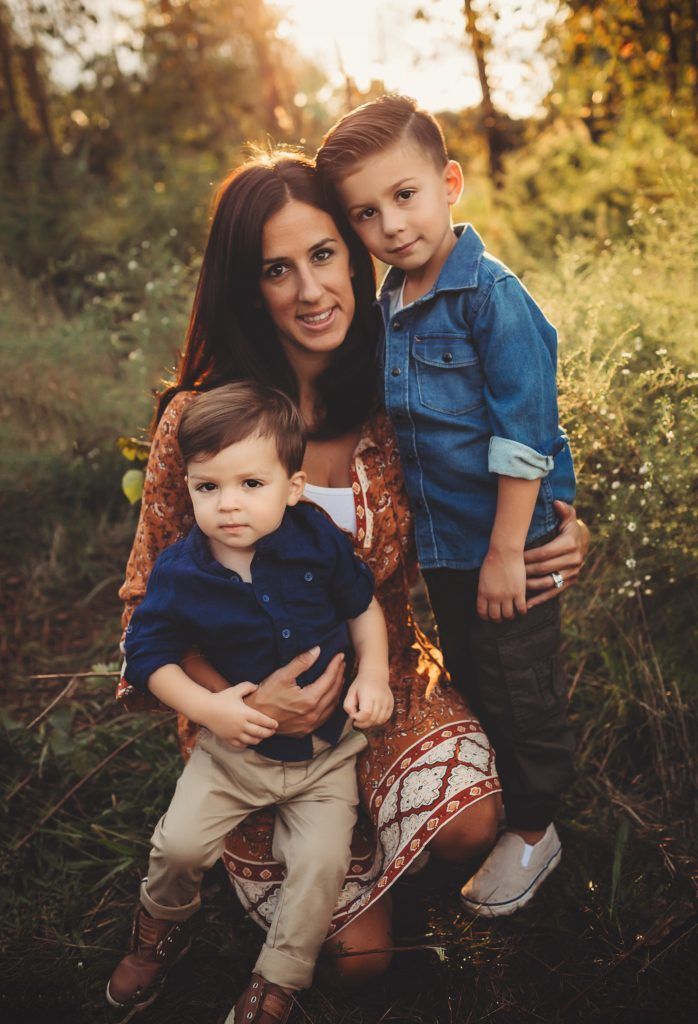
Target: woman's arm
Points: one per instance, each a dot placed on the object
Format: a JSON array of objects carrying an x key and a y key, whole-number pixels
[
  {"x": 166, "y": 513},
  {"x": 564, "y": 555}
]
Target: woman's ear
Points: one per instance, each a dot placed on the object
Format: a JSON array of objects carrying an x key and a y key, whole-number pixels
[{"x": 296, "y": 483}]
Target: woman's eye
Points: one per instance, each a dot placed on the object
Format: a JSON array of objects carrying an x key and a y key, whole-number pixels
[
  {"x": 276, "y": 270},
  {"x": 322, "y": 255}
]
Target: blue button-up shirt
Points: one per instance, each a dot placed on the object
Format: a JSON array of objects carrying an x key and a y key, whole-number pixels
[
  {"x": 469, "y": 379},
  {"x": 306, "y": 582}
]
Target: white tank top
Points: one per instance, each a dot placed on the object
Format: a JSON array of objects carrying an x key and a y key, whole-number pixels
[{"x": 338, "y": 502}]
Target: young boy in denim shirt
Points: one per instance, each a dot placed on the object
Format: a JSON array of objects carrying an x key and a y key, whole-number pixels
[
  {"x": 469, "y": 375},
  {"x": 261, "y": 577}
]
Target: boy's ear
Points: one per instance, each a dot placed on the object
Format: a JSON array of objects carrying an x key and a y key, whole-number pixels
[
  {"x": 453, "y": 180},
  {"x": 295, "y": 490}
]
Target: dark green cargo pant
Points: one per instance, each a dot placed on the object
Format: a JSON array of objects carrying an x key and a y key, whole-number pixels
[{"x": 511, "y": 675}]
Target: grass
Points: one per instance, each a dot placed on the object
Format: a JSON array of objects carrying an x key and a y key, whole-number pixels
[{"x": 610, "y": 938}]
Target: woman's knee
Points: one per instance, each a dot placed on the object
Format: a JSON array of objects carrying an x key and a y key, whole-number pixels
[
  {"x": 472, "y": 832},
  {"x": 363, "y": 950}
]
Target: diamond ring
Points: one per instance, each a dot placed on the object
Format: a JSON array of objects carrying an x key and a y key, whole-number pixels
[{"x": 557, "y": 580}]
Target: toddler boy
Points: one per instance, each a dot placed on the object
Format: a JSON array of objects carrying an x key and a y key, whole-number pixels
[
  {"x": 260, "y": 578},
  {"x": 469, "y": 378}
]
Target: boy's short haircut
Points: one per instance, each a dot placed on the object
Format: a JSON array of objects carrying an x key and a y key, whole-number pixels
[
  {"x": 374, "y": 127},
  {"x": 233, "y": 412}
]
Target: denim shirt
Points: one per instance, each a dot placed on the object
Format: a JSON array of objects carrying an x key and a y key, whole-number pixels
[
  {"x": 469, "y": 381},
  {"x": 306, "y": 582}
]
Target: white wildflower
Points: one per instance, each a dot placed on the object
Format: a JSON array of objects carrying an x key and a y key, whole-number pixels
[{"x": 632, "y": 527}]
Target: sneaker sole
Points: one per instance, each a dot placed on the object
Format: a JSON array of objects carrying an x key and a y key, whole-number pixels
[
  {"x": 139, "y": 1007},
  {"x": 511, "y": 906}
]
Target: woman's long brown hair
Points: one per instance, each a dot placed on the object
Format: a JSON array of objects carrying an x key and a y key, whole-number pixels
[{"x": 231, "y": 336}]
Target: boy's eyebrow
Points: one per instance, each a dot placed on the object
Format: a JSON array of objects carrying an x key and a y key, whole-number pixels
[
  {"x": 391, "y": 188},
  {"x": 316, "y": 245}
]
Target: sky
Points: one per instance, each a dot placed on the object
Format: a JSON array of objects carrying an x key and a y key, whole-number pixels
[{"x": 429, "y": 59}]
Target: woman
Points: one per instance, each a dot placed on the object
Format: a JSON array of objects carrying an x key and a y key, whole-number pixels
[{"x": 285, "y": 297}]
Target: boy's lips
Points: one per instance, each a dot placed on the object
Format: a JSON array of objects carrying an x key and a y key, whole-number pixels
[
  {"x": 403, "y": 250},
  {"x": 320, "y": 320}
]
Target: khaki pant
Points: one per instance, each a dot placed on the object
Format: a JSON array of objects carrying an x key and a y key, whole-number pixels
[{"x": 316, "y": 804}]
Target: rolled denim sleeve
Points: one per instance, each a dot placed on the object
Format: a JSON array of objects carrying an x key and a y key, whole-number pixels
[{"x": 518, "y": 353}]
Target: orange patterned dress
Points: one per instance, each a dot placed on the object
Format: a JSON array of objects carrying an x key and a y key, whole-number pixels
[{"x": 426, "y": 765}]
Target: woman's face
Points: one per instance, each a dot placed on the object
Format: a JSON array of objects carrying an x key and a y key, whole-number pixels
[{"x": 306, "y": 280}]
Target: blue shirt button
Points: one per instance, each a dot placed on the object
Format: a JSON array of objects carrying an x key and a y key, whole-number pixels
[
  {"x": 397, "y": 326},
  {"x": 265, "y": 598},
  {"x": 285, "y": 633},
  {"x": 308, "y": 577}
]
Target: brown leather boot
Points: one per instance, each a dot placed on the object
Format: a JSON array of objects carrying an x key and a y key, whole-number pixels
[
  {"x": 262, "y": 1003},
  {"x": 155, "y": 947}
]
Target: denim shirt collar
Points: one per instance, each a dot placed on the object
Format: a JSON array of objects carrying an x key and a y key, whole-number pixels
[{"x": 459, "y": 271}]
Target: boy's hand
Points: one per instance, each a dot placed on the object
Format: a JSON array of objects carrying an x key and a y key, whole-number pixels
[
  {"x": 369, "y": 701},
  {"x": 234, "y": 721},
  {"x": 501, "y": 592}
]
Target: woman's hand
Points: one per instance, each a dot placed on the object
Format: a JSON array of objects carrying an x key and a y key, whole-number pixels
[
  {"x": 299, "y": 712},
  {"x": 564, "y": 555}
]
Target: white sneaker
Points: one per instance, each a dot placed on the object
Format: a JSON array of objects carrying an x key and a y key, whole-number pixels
[{"x": 511, "y": 874}]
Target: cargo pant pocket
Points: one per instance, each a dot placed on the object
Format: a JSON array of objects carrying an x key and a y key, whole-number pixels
[{"x": 529, "y": 658}]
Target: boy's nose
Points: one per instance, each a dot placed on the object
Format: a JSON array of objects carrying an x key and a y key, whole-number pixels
[
  {"x": 392, "y": 223},
  {"x": 228, "y": 501}
]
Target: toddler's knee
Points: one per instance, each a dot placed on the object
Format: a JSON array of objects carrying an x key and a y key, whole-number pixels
[{"x": 180, "y": 853}]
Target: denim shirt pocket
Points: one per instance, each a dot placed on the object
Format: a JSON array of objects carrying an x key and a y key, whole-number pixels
[{"x": 449, "y": 375}]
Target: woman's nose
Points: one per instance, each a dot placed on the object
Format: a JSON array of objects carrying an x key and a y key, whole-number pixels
[{"x": 309, "y": 287}]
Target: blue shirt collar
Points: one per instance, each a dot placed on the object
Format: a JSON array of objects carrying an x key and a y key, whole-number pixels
[
  {"x": 459, "y": 271},
  {"x": 284, "y": 540}
]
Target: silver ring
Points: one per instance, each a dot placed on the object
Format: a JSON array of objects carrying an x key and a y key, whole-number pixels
[{"x": 558, "y": 580}]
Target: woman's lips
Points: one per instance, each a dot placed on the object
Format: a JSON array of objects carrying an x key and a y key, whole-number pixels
[{"x": 319, "y": 321}]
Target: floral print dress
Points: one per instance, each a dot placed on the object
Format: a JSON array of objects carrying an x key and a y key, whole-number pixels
[{"x": 426, "y": 765}]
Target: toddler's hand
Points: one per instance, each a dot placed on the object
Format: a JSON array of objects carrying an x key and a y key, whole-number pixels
[
  {"x": 369, "y": 701},
  {"x": 236, "y": 723},
  {"x": 501, "y": 591}
]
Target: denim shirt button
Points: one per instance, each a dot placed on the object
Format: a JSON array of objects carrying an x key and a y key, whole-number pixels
[
  {"x": 285, "y": 633},
  {"x": 308, "y": 577},
  {"x": 447, "y": 357},
  {"x": 397, "y": 325},
  {"x": 396, "y": 371},
  {"x": 265, "y": 598}
]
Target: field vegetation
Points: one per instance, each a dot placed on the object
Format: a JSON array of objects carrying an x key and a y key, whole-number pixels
[{"x": 102, "y": 222}]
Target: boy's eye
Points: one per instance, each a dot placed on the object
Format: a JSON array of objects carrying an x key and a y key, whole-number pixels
[
  {"x": 206, "y": 486},
  {"x": 366, "y": 214},
  {"x": 252, "y": 483},
  {"x": 406, "y": 193}
]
